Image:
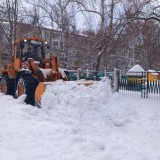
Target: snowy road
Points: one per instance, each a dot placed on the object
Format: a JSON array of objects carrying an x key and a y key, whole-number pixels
[{"x": 82, "y": 123}]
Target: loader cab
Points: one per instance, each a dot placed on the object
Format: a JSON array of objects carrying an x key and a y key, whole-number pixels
[
  {"x": 38, "y": 47},
  {"x": 33, "y": 49}
]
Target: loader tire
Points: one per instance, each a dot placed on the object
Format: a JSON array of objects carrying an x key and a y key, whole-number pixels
[
  {"x": 27, "y": 85},
  {"x": 7, "y": 85}
]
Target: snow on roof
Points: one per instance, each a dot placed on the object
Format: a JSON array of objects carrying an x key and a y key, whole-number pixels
[
  {"x": 133, "y": 71},
  {"x": 136, "y": 68},
  {"x": 153, "y": 72},
  {"x": 150, "y": 70}
]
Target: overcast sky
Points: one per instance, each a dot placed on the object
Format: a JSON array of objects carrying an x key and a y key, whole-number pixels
[{"x": 83, "y": 19}]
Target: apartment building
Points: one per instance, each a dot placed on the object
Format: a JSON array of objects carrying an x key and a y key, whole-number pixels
[{"x": 73, "y": 50}]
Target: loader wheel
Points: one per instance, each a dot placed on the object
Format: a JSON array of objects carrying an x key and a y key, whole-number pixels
[
  {"x": 27, "y": 85},
  {"x": 7, "y": 86}
]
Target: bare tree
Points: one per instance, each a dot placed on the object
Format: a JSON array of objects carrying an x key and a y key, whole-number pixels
[
  {"x": 106, "y": 36},
  {"x": 9, "y": 18},
  {"x": 58, "y": 15},
  {"x": 138, "y": 41},
  {"x": 143, "y": 9}
]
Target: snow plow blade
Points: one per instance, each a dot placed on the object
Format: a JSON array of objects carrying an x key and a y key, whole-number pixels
[{"x": 40, "y": 90}]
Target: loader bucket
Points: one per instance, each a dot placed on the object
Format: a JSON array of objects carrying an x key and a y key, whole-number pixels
[{"x": 39, "y": 92}]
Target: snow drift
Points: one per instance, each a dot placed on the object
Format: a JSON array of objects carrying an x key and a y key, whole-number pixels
[{"x": 79, "y": 122}]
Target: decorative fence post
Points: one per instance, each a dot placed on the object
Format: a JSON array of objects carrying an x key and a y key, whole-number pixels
[
  {"x": 144, "y": 85},
  {"x": 87, "y": 73},
  {"x": 105, "y": 73},
  {"x": 78, "y": 74},
  {"x": 115, "y": 82},
  {"x": 94, "y": 75}
]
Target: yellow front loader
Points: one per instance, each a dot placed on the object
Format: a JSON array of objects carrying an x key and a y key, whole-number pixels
[{"x": 29, "y": 75}]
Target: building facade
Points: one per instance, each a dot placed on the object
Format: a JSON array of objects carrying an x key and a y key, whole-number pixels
[{"x": 73, "y": 50}]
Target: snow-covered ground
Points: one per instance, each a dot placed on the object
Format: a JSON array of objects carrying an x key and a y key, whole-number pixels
[{"x": 82, "y": 123}]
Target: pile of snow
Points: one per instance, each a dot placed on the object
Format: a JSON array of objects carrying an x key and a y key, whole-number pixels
[
  {"x": 80, "y": 122},
  {"x": 75, "y": 94},
  {"x": 46, "y": 72}
]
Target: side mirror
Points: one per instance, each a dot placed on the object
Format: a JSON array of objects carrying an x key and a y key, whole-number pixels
[{"x": 21, "y": 44}]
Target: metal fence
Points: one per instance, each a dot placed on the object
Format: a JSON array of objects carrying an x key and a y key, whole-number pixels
[
  {"x": 145, "y": 84},
  {"x": 142, "y": 84},
  {"x": 88, "y": 75}
]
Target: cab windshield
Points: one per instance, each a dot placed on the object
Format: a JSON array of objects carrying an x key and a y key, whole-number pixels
[{"x": 34, "y": 49}]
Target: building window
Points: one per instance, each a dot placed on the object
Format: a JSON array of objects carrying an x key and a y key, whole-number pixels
[
  {"x": 46, "y": 35},
  {"x": 55, "y": 43}
]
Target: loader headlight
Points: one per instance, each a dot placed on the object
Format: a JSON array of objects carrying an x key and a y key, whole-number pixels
[
  {"x": 25, "y": 40},
  {"x": 45, "y": 43}
]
